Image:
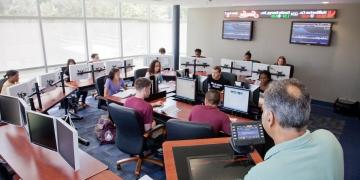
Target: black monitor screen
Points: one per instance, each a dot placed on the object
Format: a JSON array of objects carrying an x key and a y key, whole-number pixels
[
  {"x": 42, "y": 130},
  {"x": 10, "y": 110},
  {"x": 313, "y": 33},
  {"x": 237, "y": 30}
]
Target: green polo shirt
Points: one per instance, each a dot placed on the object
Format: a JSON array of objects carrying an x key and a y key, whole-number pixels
[{"x": 312, "y": 156}]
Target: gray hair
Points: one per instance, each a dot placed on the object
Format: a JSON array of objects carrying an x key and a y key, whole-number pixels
[{"x": 290, "y": 101}]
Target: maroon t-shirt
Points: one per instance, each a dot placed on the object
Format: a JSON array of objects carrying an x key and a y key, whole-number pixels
[
  {"x": 218, "y": 120},
  {"x": 142, "y": 107}
]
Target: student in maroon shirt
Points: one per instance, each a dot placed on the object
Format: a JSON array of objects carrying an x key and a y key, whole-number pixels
[
  {"x": 137, "y": 102},
  {"x": 210, "y": 114}
]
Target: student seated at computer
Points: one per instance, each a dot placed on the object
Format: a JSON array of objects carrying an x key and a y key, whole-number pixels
[
  {"x": 298, "y": 153},
  {"x": 281, "y": 61},
  {"x": 264, "y": 80},
  {"x": 94, "y": 58},
  {"x": 210, "y": 114},
  {"x": 11, "y": 78},
  {"x": 114, "y": 83},
  {"x": 247, "y": 57},
  {"x": 79, "y": 93},
  {"x": 137, "y": 102},
  {"x": 216, "y": 80},
  {"x": 162, "y": 51},
  {"x": 155, "y": 70},
  {"x": 198, "y": 54}
]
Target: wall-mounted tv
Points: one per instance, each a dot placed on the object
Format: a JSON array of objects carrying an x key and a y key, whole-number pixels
[
  {"x": 312, "y": 33},
  {"x": 237, "y": 30}
]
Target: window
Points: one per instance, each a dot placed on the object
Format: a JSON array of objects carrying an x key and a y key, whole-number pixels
[
  {"x": 18, "y": 8},
  {"x": 135, "y": 37},
  {"x": 160, "y": 36},
  {"x": 102, "y": 8},
  {"x": 160, "y": 13},
  {"x": 64, "y": 39},
  {"x": 134, "y": 11},
  {"x": 104, "y": 38},
  {"x": 61, "y": 8},
  {"x": 20, "y": 44}
]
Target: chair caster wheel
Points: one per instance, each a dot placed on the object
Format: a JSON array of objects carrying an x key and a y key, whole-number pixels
[{"x": 118, "y": 167}]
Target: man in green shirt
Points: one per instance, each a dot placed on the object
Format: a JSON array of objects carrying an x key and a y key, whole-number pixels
[{"x": 298, "y": 154}]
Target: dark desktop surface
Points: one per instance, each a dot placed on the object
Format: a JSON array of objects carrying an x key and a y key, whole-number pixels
[{"x": 213, "y": 161}]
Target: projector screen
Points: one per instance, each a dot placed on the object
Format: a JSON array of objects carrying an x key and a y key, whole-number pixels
[
  {"x": 312, "y": 33},
  {"x": 237, "y": 30}
]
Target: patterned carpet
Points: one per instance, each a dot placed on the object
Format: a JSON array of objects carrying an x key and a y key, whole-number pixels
[{"x": 109, "y": 154}]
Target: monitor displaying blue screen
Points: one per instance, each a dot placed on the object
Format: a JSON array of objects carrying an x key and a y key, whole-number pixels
[
  {"x": 237, "y": 30},
  {"x": 312, "y": 33}
]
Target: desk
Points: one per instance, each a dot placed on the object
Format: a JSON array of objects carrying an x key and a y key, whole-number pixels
[
  {"x": 107, "y": 174},
  {"x": 30, "y": 161},
  {"x": 84, "y": 84},
  {"x": 170, "y": 167},
  {"x": 183, "y": 114},
  {"x": 51, "y": 98}
]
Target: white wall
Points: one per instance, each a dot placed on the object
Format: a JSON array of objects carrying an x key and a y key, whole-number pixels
[{"x": 328, "y": 72}]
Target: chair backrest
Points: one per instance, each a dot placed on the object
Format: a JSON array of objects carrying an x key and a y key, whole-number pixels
[
  {"x": 99, "y": 85},
  {"x": 230, "y": 77},
  {"x": 140, "y": 73},
  {"x": 129, "y": 129},
  {"x": 2, "y": 81},
  {"x": 181, "y": 130}
]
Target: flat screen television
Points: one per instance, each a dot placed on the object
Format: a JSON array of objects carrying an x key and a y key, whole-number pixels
[
  {"x": 311, "y": 33},
  {"x": 237, "y": 30}
]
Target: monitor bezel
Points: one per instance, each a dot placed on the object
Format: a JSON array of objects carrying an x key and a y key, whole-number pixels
[
  {"x": 236, "y": 110},
  {"x": 312, "y": 44},
  {"x": 238, "y": 39}
]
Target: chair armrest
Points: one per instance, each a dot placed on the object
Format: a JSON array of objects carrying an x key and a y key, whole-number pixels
[{"x": 155, "y": 131}]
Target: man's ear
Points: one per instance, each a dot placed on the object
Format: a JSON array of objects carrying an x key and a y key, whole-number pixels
[{"x": 271, "y": 119}]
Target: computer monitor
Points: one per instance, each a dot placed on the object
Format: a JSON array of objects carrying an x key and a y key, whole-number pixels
[
  {"x": 46, "y": 80},
  {"x": 42, "y": 130},
  {"x": 109, "y": 65},
  {"x": 226, "y": 64},
  {"x": 68, "y": 147},
  {"x": 200, "y": 62},
  {"x": 254, "y": 94},
  {"x": 167, "y": 61},
  {"x": 279, "y": 72},
  {"x": 76, "y": 72},
  {"x": 23, "y": 90},
  {"x": 242, "y": 68},
  {"x": 99, "y": 69},
  {"x": 236, "y": 99},
  {"x": 10, "y": 111},
  {"x": 256, "y": 68},
  {"x": 186, "y": 88}
]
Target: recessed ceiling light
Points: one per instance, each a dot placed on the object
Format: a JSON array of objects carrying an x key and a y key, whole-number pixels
[{"x": 325, "y": 2}]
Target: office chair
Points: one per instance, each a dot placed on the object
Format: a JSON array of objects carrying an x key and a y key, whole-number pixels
[
  {"x": 99, "y": 85},
  {"x": 140, "y": 73},
  {"x": 4, "y": 174},
  {"x": 230, "y": 77},
  {"x": 2, "y": 82},
  {"x": 181, "y": 130},
  {"x": 131, "y": 137}
]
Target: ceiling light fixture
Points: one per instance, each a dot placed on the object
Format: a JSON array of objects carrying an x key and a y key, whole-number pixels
[{"x": 325, "y": 2}]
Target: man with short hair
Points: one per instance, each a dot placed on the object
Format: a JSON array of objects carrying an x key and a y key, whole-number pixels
[
  {"x": 198, "y": 53},
  {"x": 210, "y": 114},
  {"x": 95, "y": 57},
  {"x": 137, "y": 102},
  {"x": 216, "y": 80},
  {"x": 298, "y": 153}
]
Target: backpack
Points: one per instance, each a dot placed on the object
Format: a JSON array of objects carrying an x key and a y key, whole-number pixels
[{"x": 105, "y": 130}]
